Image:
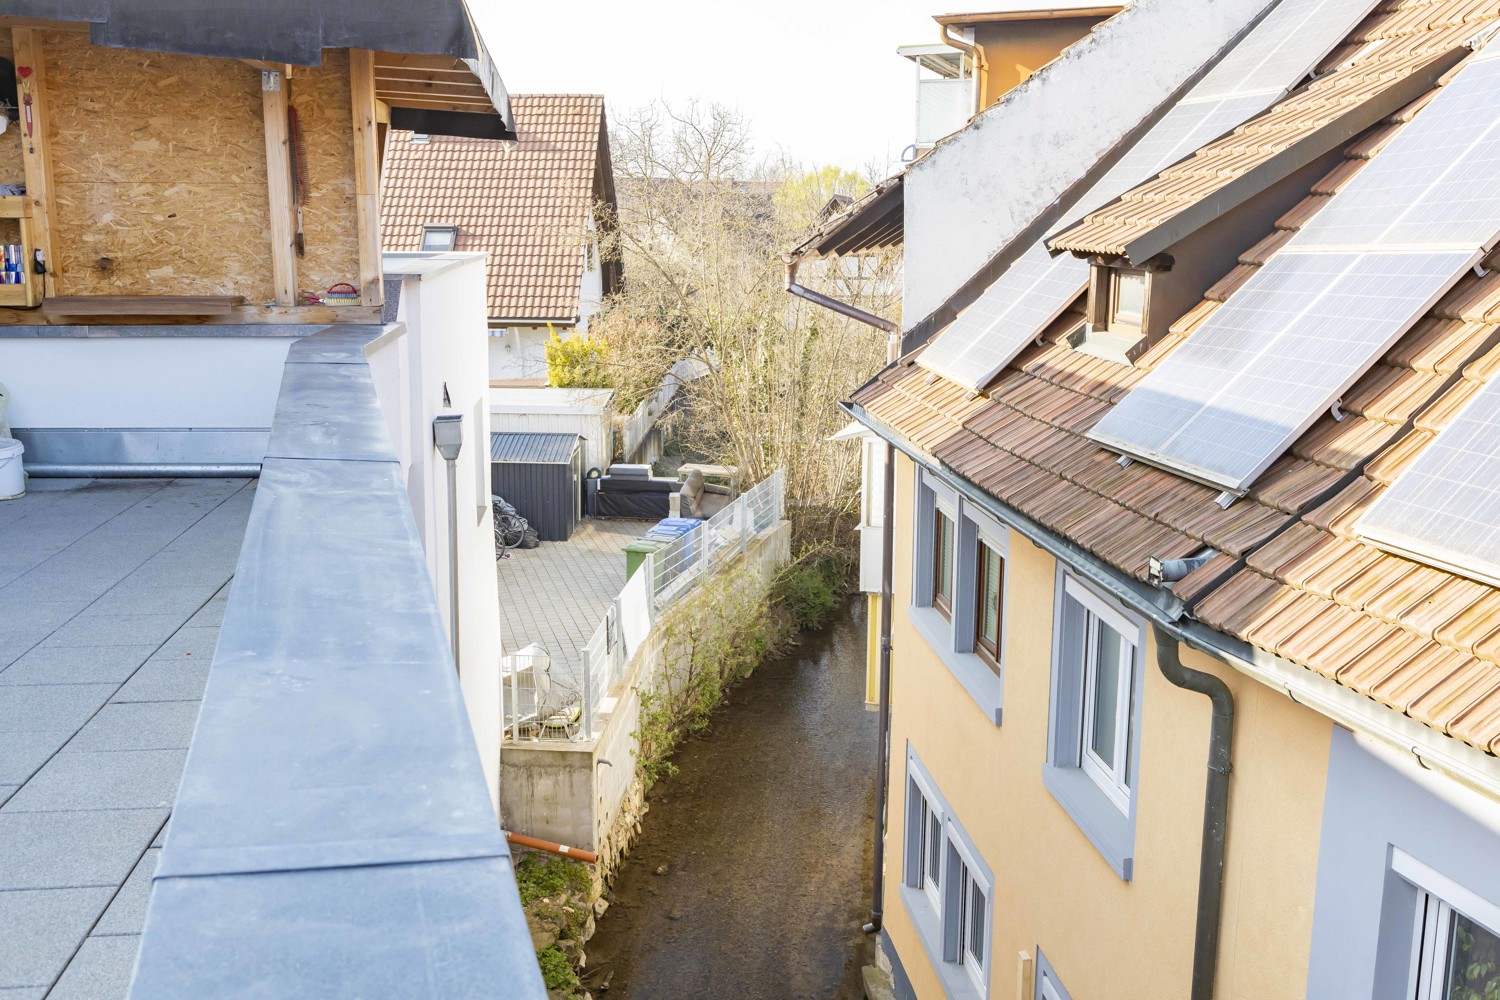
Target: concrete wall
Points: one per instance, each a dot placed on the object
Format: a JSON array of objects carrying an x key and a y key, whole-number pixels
[
  {"x": 179, "y": 382},
  {"x": 1106, "y": 937},
  {"x": 443, "y": 306},
  {"x": 975, "y": 192}
]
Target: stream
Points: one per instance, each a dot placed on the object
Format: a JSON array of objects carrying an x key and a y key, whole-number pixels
[{"x": 751, "y": 876}]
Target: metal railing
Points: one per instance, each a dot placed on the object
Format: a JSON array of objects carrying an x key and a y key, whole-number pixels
[{"x": 546, "y": 700}]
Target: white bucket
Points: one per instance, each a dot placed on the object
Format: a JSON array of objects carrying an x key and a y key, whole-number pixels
[{"x": 12, "y": 479}]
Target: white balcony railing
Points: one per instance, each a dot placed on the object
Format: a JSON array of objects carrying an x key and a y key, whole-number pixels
[{"x": 943, "y": 107}]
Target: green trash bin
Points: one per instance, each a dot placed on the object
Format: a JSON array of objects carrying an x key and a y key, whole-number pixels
[{"x": 637, "y": 551}]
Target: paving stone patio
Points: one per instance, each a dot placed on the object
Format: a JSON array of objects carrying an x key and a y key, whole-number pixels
[
  {"x": 557, "y": 594},
  {"x": 111, "y": 595}
]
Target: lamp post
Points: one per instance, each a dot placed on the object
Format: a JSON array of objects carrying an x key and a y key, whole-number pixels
[{"x": 448, "y": 436}]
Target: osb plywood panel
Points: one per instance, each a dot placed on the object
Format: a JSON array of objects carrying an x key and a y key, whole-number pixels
[
  {"x": 321, "y": 96},
  {"x": 12, "y": 171},
  {"x": 158, "y": 171}
]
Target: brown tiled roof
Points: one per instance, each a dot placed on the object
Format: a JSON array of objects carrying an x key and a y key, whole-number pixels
[
  {"x": 524, "y": 202},
  {"x": 1291, "y": 577}
]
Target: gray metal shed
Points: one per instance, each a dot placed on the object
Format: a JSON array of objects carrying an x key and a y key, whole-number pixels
[{"x": 542, "y": 476}]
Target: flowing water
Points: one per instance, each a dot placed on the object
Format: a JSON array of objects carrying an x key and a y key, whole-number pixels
[{"x": 751, "y": 876}]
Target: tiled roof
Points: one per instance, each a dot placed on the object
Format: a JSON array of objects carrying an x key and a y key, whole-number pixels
[
  {"x": 1290, "y": 578},
  {"x": 525, "y": 202}
]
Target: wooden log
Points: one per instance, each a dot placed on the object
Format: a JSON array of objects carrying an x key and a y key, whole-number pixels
[
  {"x": 31, "y": 79},
  {"x": 366, "y": 174},
  {"x": 273, "y": 88}
]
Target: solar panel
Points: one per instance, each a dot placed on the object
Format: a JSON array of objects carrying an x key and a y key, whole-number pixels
[
  {"x": 1233, "y": 397},
  {"x": 1225, "y": 403},
  {"x": 1037, "y": 288},
  {"x": 1434, "y": 185},
  {"x": 1445, "y": 509}
]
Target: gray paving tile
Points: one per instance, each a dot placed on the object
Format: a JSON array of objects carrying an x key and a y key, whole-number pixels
[
  {"x": 190, "y": 643},
  {"x": 25, "y": 624},
  {"x": 116, "y": 630},
  {"x": 69, "y": 850},
  {"x": 166, "y": 680},
  {"x": 22, "y": 753},
  {"x": 76, "y": 665},
  {"x": 100, "y": 971},
  {"x": 127, "y": 913},
  {"x": 130, "y": 598},
  {"x": 120, "y": 779},
  {"x": 46, "y": 707},
  {"x": 155, "y": 725},
  {"x": 42, "y": 929}
]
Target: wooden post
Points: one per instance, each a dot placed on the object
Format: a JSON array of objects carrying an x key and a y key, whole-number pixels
[
  {"x": 274, "y": 104},
  {"x": 366, "y": 174},
  {"x": 32, "y": 88}
]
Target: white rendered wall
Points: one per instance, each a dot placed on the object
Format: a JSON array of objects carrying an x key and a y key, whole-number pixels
[
  {"x": 589, "y": 413},
  {"x": 443, "y": 306},
  {"x": 522, "y": 352},
  {"x": 976, "y": 191},
  {"x": 125, "y": 382}
]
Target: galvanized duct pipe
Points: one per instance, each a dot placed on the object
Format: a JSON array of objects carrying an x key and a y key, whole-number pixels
[{"x": 883, "y": 751}]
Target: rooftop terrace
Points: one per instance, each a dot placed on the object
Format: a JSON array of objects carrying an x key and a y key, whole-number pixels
[{"x": 113, "y": 593}]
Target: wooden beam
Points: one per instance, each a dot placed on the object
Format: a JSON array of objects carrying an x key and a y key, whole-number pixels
[
  {"x": 274, "y": 103},
  {"x": 366, "y": 174},
  {"x": 439, "y": 104},
  {"x": 441, "y": 64},
  {"x": 31, "y": 79},
  {"x": 319, "y": 315},
  {"x": 382, "y": 113}
]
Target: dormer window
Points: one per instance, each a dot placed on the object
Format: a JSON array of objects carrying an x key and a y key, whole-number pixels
[
  {"x": 1127, "y": 300},
  {"x": 439, "y": 238},
  {"x": 1125, "y": 307}
]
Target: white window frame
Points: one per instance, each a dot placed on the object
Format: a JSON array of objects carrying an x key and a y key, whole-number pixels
[
  {"x": 1438, "y": 899},
  {"x": 1114, "y": 779},
  {"x": 1101, "y": 801},
  {"x": 961, "y": 878},
  {"x": 932, "y": 808},
  {"x": 943, "y": 917}
]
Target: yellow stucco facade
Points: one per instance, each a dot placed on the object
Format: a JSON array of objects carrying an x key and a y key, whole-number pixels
[
  {"x": 1013, "y": 50},
  {"x": 1107, "y": 938}
]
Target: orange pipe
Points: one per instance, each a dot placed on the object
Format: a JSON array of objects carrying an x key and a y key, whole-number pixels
[{"x": 562, "y": 850}]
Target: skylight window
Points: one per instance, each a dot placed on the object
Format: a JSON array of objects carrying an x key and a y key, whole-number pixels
[{"x": 439, "y": 238}]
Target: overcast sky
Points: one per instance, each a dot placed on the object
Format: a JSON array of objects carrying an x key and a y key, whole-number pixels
[{"x": 820, "y": 79}]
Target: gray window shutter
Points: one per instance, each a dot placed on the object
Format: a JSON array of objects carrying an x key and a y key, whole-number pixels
[{"x": 913, "y": 835}]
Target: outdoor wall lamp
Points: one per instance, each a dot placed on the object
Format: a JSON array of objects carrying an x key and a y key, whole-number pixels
[{"x": 448, "y": 437}]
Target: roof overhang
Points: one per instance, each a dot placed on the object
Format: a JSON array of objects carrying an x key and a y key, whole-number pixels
[
  {"x": 1082, "y": 239},
  {"x": 873, "y": 223},
  {"x": 448, "y": 83},
  {"x": 1029, "y": 14}
]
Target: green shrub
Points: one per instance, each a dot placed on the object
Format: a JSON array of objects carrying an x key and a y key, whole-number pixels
[
  {"x": 809, "y": 588},
  {"x": 579, "y": 362},
  {"x": 557, "y": 972},
  {"x": 540, "y": 876}
]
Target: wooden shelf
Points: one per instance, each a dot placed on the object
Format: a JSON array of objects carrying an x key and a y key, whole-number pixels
[
  {"x": 141, "y": 305},
  {"x": 18, "y": 295}
]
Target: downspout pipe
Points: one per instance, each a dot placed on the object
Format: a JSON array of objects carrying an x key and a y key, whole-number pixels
[
  {"x": 975, "y": 54},
  {"x": 1215, "y": 806},
  {"x": 842, "y": 308},
  {"x": 883, "y": 751}
]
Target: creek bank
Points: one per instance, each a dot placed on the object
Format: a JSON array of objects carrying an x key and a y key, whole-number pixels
[{"x": 753, "y": 867}]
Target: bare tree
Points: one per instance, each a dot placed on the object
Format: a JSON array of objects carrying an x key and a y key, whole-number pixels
[{"x": 701, "y": 228}]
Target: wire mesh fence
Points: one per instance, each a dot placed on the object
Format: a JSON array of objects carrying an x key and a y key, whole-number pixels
[{"x": 548, "y": 700}]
